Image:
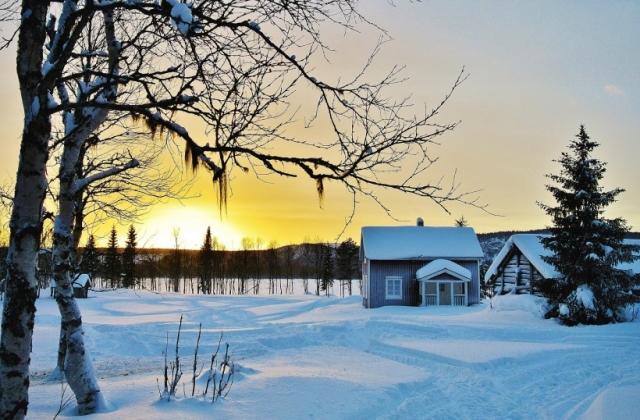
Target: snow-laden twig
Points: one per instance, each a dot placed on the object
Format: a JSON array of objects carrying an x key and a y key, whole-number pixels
[{"x": 81, "y": 184}]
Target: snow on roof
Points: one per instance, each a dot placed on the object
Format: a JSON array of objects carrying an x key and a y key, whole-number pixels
[
  {"x": 81, "y": 280},
  {"x": 532, "y": 248},
  {"x": 419, "y": 242},
  {"x": 440, "y": 266}
]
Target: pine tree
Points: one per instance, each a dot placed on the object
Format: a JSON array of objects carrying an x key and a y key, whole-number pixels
[
  {"x": 586, "y": 246},
  {"x": 327, "y": 268},
  {"x": 89, "y": 263},
  {"x": 347, "y": 261},
  {"x": 206, "y": 263},
  {"x": 112, "y": 259},
  {"x": 129, "y": 258},
  {"x": 461, "y": 222}
]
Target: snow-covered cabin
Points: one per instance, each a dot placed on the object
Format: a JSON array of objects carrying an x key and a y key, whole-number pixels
[
  {"x": 81, "y": 285},
  {"x": 420, "y": 265},
  {"x": 519, "y": 265}
]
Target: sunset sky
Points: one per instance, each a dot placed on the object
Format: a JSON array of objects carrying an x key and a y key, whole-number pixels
[{"x": 537, "y": 71}]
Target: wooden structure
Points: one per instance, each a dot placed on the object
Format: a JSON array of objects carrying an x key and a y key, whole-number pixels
[
  {"x": 444, "y": 282},
  {"x": 399, "y": 266},
  {"x": 81, "y": 285},
  {"x": 520, "y": 266},
  {"x": 516, "y": 274}
]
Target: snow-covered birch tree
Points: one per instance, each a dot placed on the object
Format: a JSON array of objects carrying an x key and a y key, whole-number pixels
[{"x": 26, "y": 217}]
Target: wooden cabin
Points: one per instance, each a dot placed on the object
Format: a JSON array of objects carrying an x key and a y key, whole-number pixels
[
  {"x": 81, "y": 285},
  {"x": 420, "y": 265},
  {"x": 519, "y": 267}
]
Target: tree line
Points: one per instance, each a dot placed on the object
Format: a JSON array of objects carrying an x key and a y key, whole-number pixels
[{"x": 212, "y": 269}]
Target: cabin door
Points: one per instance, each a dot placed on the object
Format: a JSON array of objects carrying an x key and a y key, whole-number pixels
[{"x": 444, "y": 290}]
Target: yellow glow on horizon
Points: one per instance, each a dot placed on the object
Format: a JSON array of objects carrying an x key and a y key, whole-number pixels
[
  {"x": 192, "y": 222},
  {"x": 533, "y": 81}
]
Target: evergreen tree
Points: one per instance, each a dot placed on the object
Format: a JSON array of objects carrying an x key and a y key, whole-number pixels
[
  {"x": 461, "y": 222},
  {"x": 112, "y": 259},
  {"x": 129, "y": 258},
  {"x": 176, "y": 261},
  {"x": 327, "y": 268},
  {"x": 206, "y": 263},
  {"x": 347, "y": 261},
  {"x": 586, "y": 246},
  {"x": 89, "y": 263}
]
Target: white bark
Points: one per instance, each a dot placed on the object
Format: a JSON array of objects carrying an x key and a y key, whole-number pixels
[
  {"x": 72, "y": 353},
  {"x": 77, "y": 362},
  {"x": 26, "y": 225}
]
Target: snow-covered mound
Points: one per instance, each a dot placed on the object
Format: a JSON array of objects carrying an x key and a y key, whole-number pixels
[
  {"x": 615, "y": 403},
  {"x": 530, "y": 304}
]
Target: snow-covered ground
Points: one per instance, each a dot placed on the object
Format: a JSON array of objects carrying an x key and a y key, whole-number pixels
[{"x": 326, "y": 358}]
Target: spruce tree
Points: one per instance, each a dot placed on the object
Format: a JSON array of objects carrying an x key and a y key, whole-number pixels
[
  {"x": 206, "y": 263},
  {"x": 112, "y": 259},
  {"x": 326, "y": 268},
  {"x": 347, "y": 261},
  {"x": 129, "y": 258},
  {"x": 89, "y": 263},
  {"x": 586, "y": 246}
]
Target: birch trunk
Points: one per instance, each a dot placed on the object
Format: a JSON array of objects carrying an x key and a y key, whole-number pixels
[
  {"x": 26, "y": 219},
  {"x": 77, "y": 366},
  {"x": 72, "y": 352}
]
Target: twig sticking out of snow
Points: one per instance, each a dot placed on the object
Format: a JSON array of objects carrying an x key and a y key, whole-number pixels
[
  {"x": 195, "y": 361},
  {"x": 171, "y": 381},
  {"x": 219, "y": 377},
  {"x": 65, "y": 400}
]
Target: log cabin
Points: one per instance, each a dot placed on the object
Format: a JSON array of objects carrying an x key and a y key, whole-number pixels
[{"x": 519, "y": 267}]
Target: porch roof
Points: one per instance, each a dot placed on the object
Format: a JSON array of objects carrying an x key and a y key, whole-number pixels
[{"x": 442, "y": 266}]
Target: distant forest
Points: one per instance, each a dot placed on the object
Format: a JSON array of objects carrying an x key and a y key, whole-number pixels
[{"x": 208, "y": 270}]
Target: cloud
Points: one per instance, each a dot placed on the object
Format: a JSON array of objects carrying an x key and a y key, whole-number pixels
[{"x": 613, "y": 90}]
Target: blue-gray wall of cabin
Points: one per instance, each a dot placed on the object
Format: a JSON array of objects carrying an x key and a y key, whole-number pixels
[{"x": 379, "y": 270}]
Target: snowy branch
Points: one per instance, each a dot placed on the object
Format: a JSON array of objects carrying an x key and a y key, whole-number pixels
[{"x": 81, "y": 184}]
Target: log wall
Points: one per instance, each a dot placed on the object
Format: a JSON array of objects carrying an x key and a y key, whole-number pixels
[{"x": 517, "y": 275}]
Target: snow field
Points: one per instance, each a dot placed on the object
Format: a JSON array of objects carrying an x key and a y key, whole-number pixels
[{"x": 328, "y": 358}]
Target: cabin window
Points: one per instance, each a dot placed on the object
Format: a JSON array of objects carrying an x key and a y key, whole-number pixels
[{"x": 393, "y": 287}]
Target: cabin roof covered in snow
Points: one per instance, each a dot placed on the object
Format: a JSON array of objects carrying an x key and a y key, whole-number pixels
[
  {"x": 533, "y": 250},
  {"x": 440, "y": 266},
  {"x": 81, "y": 280},
  {"x": 531, "y": 247},
  {"x": 419, "y": 242}
]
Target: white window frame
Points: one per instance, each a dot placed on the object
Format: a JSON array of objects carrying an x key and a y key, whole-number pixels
[{"x": 388, "y": 279}]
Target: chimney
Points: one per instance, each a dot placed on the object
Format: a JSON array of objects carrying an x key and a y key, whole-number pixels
[{"x": 419, "y": 222}]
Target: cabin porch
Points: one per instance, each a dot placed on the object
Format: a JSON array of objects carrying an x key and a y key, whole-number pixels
[
  {"x": 443, "y": 292},
  {"x": 443, "y": 282}
]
